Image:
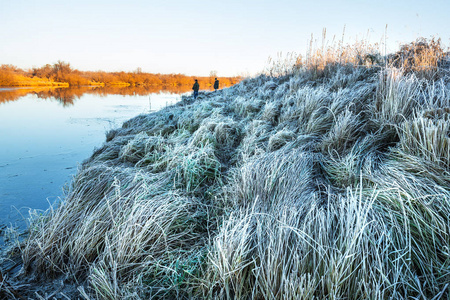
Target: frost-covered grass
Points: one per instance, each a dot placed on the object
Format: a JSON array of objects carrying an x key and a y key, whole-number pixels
[{"x": 301, "y": 186}]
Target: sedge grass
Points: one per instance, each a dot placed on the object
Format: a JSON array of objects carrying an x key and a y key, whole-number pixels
[{"x": 328, "y": 181}]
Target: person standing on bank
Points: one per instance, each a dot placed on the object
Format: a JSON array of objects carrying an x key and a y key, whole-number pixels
[
  {"x": 195, "y": 87},
  {"x": 216, "y": 85}
]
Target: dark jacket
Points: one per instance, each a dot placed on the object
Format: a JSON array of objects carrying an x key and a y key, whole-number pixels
[
  {"x": 216, "y": 84},
  {"x": 195, "y": 87}
]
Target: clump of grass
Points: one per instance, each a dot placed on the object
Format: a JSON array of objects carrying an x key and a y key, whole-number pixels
[
  {"x": 247, "y": 107},
  {"x": 280, "y": 139},
  {"x": 227, "y": 134},
  {"x": 428, "y": 139},
  {"x": 110, "y": 152},
  {"x": 196, "y": 169},
  {"x": 398, "y": 96},
  {"x": 272, "y": 112},
  {"x": 421, "y": 57},
  {"x": 348, "y": 167},
  {"x": 323, "y": 61},
  {"x": 141, "y": 146},
  {"x": 344, "y": 132},
  {"x": 256, "y": 137}
]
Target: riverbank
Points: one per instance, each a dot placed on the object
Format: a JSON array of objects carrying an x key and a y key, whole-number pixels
[{"x": 319, "y": 182}]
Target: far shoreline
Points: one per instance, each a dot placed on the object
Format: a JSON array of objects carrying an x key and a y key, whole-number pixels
[{"x": 61, "y": 74}]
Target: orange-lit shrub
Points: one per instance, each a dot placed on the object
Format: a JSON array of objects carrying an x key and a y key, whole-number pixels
[{"x": 421, "y": 57}]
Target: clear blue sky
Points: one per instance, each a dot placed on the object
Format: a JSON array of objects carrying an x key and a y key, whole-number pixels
[{"x": 195, "y": 37}]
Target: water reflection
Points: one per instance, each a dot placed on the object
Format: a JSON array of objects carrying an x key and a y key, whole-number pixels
[{"x": 67, "y": 96}]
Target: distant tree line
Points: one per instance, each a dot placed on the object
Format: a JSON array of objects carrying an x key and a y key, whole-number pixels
[{"x": 62, "y": 74}]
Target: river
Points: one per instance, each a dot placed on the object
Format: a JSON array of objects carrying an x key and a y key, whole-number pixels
[{"x": 46, "y": 134}]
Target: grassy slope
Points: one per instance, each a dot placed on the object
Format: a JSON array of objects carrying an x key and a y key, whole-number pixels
[{"x": 329, "y": 186}]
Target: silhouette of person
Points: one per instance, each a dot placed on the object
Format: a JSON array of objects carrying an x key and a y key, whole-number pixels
[
  {"x": 195, "y": 87},
  {"x": 216, "y": 85}
]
